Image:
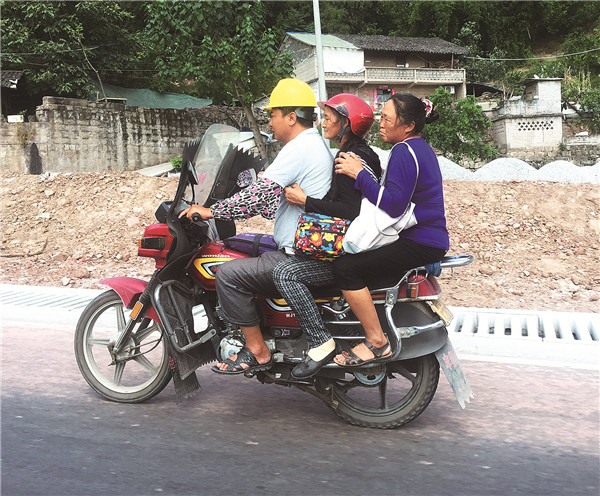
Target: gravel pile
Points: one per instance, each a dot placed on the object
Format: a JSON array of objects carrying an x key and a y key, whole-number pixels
[
  {"x": 511, "y": 169},
  {"x": 505, "y": 169}
]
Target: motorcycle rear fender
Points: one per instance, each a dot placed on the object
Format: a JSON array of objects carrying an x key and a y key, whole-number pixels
[
  {"x": 130, "y": 289},
  {"x": 416, "y": 313}
]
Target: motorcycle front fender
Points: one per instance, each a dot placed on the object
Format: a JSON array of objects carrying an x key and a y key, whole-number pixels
[{"x": 129, "y": 289}]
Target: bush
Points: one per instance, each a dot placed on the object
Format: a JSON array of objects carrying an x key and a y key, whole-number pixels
[
  {"x": 176, "y": 163},
  {"x": 459, "y": 133},
  {"x": 590, "y": 106},
  {"x": 461, "y": 130}
]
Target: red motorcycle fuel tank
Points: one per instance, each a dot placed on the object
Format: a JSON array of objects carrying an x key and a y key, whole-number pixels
[{"x": 203, "y": 267}]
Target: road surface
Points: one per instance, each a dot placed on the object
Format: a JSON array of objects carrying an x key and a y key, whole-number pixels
[{"x": 530, "y": 430}]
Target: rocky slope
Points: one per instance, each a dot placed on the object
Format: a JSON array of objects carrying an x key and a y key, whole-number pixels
[{"x": 536, "y": 244}]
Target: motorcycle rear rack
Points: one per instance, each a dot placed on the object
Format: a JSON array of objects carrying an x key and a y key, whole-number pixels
[{"x": 181, "y": 337}]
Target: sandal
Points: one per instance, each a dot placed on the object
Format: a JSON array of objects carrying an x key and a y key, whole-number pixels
[
  {"x": 244, "y": 356},
  {"x": 380, "y": 354}
]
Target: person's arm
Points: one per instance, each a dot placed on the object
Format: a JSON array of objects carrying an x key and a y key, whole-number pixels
[
  {"x": 350, "y": 165},
  {"x": 400, "y": 181},
  {"x": 344, "y": 199},
  {"x": 346, "y": 206},
  {"x": 260, "y": 198}
]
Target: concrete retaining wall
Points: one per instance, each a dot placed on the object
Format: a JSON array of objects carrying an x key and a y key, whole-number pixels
[{"x": 72, "y": 135}]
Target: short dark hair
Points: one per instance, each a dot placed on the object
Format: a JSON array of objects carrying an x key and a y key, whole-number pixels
[
  {"x": 308, "y": 123},
  {"x": 409, "y": 109}
]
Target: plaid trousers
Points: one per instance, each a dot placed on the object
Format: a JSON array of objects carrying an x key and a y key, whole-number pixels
[{"x": 291, "y": 278}]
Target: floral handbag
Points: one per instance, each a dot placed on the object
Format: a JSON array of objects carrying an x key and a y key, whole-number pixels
[{"x": 320, "y": 236}]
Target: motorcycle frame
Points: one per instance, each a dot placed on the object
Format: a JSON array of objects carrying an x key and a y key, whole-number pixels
[
  {"x": 144, "y": 301},
  {"x": 426, "y": 338}
]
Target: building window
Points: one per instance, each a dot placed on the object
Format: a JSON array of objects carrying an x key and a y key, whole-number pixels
[{"x": 381, "y": 95}]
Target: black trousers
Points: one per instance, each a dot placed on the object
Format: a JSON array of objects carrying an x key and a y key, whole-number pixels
[{"x": 383, "y": 267}]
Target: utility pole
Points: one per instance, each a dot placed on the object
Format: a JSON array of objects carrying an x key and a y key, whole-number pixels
[{"x": 319, "y": 46}]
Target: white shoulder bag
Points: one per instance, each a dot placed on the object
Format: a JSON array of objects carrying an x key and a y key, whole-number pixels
[{"x": 373, "y": 227}]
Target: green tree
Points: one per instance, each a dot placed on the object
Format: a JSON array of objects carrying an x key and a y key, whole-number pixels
[
  {"x": 589, "y": 61},
  {"x": 590, "y": 109},
  {"x": 61, "y": 45},
  {"x": 217, "y": 49},
  {"x": 577, "y": 90},
  {"x": 461, "y": 130}
]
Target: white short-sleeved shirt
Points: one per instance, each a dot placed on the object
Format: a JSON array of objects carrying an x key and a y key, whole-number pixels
[{"x": 306, "y": 161}]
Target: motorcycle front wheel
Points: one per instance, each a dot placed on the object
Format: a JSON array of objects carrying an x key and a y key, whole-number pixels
[
  {"x": 388, "y": 396},
  {"x": 141, "y": 370}
]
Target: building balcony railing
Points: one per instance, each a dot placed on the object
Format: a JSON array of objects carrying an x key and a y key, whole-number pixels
[{"x": 379, "y": 75}]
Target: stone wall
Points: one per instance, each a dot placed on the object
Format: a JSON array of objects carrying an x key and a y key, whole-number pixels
[
  {"x": 72, "y": 135},
  {"x": 581, "y": 150}
]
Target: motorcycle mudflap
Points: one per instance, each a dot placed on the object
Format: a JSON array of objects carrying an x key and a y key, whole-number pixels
[
  {"x": 454, "y": 373},
  {"x": 415, "y": 313}
]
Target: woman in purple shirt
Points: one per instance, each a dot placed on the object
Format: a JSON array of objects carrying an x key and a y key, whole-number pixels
[{"x": 403, "y": 117}]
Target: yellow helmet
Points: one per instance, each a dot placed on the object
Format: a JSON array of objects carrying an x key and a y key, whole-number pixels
[{"x": 291, "y": 93}]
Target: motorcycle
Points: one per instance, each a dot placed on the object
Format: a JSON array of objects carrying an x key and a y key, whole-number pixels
[{"x": 132, "y": 340}]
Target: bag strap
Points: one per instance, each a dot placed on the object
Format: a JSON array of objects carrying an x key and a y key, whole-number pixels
[
  {"x": 256, "y": 244},
  {"x": 414, "y": 156}
]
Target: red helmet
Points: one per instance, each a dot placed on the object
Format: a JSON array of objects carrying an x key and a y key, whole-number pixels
[{"x": 355, "y": 109}]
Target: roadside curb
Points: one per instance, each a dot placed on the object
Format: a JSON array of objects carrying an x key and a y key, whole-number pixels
[{"x": 541, "y": 338}]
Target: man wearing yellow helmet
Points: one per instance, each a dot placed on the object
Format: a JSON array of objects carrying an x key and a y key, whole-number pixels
[{"x": 304, "y": 160}]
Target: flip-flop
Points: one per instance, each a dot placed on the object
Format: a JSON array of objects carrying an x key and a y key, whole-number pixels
[
  {"x": 351, "y": 359},
  {"x": 234, "y": 367}
]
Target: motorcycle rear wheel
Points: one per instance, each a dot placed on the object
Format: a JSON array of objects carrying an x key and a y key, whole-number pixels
[
  {"x": 404, "y": 392},
  {"x": 143, "y": 371}
]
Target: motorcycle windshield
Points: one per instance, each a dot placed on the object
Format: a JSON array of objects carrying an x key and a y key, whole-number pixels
[{"x": 209, "y": 157}]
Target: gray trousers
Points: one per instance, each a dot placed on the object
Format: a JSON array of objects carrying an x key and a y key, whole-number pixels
[
  {"x": 292, "y": 277},
  {"x": 239, "y": 280}
]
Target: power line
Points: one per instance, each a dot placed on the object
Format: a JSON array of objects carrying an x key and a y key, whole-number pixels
[
  {"x": 53, "y": 51},
  {"x": 537, "y": 58}
]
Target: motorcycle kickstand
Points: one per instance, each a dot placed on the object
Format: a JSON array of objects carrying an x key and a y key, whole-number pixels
[{"x": 324, "y": 397}]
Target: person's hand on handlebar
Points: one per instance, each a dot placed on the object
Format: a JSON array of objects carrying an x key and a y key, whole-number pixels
[{"x": 196, "y": 212}]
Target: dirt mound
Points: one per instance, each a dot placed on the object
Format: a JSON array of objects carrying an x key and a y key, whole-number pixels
[{"x": 535, "y": 244}]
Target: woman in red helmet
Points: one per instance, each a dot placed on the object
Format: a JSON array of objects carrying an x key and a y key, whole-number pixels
[{"x": 347, "y": 119}]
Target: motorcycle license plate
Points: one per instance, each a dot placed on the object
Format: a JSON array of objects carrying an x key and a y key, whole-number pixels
[{"x": 441, "y": 311}]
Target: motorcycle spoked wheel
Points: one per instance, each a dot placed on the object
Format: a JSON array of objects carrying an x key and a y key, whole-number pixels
[
  {"x": 403, "y": 391},
  {"x": 136, "y": 378}
]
